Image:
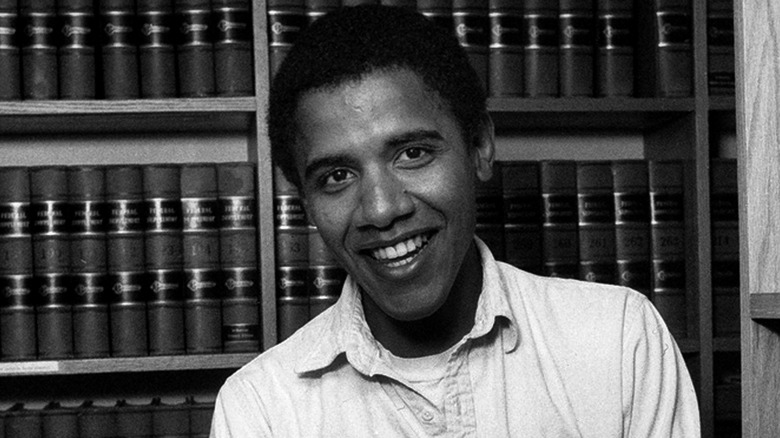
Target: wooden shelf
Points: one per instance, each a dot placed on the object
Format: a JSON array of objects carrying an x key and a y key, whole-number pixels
[
  {"x": 765, "y": 306},
  {"x": 125, "y": 365}
]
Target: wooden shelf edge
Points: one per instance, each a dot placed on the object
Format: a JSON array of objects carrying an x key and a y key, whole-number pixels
[
  {"x": 126, "y": 365},
  {"x": 587, "y": 104},
  {"x": 765, "y": 305},
  {"x": 97, "y": 106}
]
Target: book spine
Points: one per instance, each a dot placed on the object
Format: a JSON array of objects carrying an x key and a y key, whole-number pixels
[
  {"x": 96, "y": 419},
  {"x": 133, "y": 419},
  {"x": 156, "y": 48},
  {"x": 472, "y": 28},
  {"x": 560, "y": 240},
  {"x": 315, "y": 9},
  {"x": 325, "y": 277},
  {"x": 540, "y": 48},
  {"x": 667, "y": 239},
  {"x": 195, "y": 48},
  {"x": 286, "y": 20},
  {"x": 10, "y": 51},
  {"x": 76, "y": 52},
  {"x": 348, "y": 3},
  {"x": 665, "y": 48},
  {"x": 615, "y": 54},
  {"x": 163, "y": 250},
  {"x": 51, "y": 261},
  {"x": 439, "y": 12},
  {"x": 233, "y": 48},
  {"x": 86, "y": 187},
  {"x": 720, "y": 47},
  {"x": 292, "y": 257},
  {"x": 126, "y": 268},
  {"x": 506, "y": 49},
  {"x": 490, "y": 212},
  {"x": 58, "y": 421},
  {"x": 23, "y": 422},
  {"x": 408, "y": 4},
  {"x": 17, "y": 311},
  {"x": 238, "y": 257},
  {"x": 522, "y": 216},
  {"x": 577, "y": 40},
  {"x": 170, "y": 418},
  {"x": 203, "y": 291},
  {"x": 724, "y": 204},
  {"x": 119, "y": 49},
  {"x": 596, "y": 208},
  {"x": 632, "y": 224},
  {"x": 201, "y": 413},
  {"x": 39, "y": 49}
]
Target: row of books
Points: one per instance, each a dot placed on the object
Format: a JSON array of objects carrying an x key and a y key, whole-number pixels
[
  {"x": 128, "y": 260},
  {"x": 157, "y": 418},
  {"x": 560, "y": 48},
  {"x": 125, "y": 49}
]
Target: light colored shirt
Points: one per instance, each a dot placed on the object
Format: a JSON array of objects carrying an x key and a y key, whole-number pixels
[{"x": 546, "y": 357}]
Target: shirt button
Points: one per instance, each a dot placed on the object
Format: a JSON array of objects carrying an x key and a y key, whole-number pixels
[{"x": 427, "y": 416}]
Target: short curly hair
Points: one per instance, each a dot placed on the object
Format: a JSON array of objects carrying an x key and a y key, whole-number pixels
[{"x": 351, "y": 42}]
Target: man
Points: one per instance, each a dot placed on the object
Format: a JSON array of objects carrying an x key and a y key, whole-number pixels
[{"x": 378, "y": 118}]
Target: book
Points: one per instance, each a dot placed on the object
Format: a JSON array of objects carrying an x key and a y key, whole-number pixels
[
  {"x": 133, "y": 418},
  {"x": 97, "y": 418},
  {"x": 490, "y": 212},
  {"x": 201, "y": 410},
  {"x": 156, "y": 48},
  {"x": 126, "y": 260},
  {"x": 10, "y": 51},
  {"x": 505, "y": 59},
  {"x": 632, "y": 224},
  {"x": 76, "y": 51},
  {"x": 615, "y": 40},
  {"x": 286, "y": 19},
  {"x": 194, "y": 48},
  {"x": 119, "y": 38},
  {"x": 325, "y": 277},
  {"x": 348, "y": 3},
  {"x": 522, "y": 217},
  {"x": 540, "y": 48},
  {"x": 21, "y": 421},
  {"x": 39, "y": 49},
  {"x": 51, "y": 261},
  {"x": 409, "y": 4},
  {"x": 577, "y": 39},
  {"x": 88, "y": 226},
  {"x": 724, "y": 205},
  {"x": 163, "y": 258},
  {"x": 472, "y": 28},
  {"x": 438, "y": 11},
  {"x": 720, "y": 47},
  {"x": 58, "y": 421},
  {"x": 238, "y": 256},
  {"x": 560, "y": 240},
  {"x": 292, "y": 257},
  {"x": 200, "y": 248},
  {"x": 667, "y": 242},
  {"x": 17, "y": 311},
  {"x": 664, "y": 51},
  {"x": 170, "y": 418},
  {"x": 233, "y": 57},
  {"x": 596, "y": 211},
  {"x": 315, "y": 9}
]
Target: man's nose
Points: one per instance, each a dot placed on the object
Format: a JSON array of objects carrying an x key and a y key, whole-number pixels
[{"x": 383, "y": 199}]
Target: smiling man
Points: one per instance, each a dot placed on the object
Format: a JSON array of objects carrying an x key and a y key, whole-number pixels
[{"x": 379, "y": 119}]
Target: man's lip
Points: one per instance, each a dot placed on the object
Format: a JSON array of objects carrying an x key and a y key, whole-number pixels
[{"x": 368, "y": 247}]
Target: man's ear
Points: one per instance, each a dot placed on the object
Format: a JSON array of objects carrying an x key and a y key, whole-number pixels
[{"x": 484, "y": 148}]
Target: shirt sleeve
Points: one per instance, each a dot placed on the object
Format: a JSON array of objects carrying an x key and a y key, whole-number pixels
[
  {"x": 238, "y": 412},
  {"x": 658, "y": 396}
]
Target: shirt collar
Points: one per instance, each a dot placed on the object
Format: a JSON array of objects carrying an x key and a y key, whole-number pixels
[{"x": 346, "y": 331}]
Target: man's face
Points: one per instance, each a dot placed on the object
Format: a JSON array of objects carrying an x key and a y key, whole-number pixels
[{"x": 389, "y": 182}]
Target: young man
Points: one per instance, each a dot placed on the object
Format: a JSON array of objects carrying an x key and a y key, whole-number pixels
[{"x": 379, "y": 119}]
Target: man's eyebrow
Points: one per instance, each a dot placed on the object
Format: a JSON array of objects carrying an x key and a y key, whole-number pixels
[{"x": 416, "y": 135}]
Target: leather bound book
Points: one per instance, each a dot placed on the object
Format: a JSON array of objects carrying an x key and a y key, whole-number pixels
[
  {"x": 596, "y": 208},
  {"x": 577, "y": 38},
  {"x": 632, "y": 224},
  {"x": 76, "y": 51},
  {"x": 540, "y": 55},
  {"x": 10, "y": 51},
  {"x": 156, "y": 48},
  {"x": 286, "y": 20},
  {"x": 195, "y": 48},
  {"x": 119, "y": 49},
  {"x": 720, "y": 47},
  {"x": 438, "y": 11},
  {"x": 233, "y": 58},
  {"x": 615, "y": 40},
  {"x": 39, "y": 49},
  {"x": 560, "y": 240},
  {"x": 505, "y": 66},
  {"x": 315, "y": 9},
  {"x": 522, "y": 216},
  {"x": 472, "y": 28}
]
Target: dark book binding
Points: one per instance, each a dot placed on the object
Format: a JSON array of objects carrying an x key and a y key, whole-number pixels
[
  {"x": 632, "y": 224},
  {"x": 522, "y": 216},
  {"x": 596, "y": 210},
  {"x": 720, "y": 47},
  {"x": 560, "y": 240},
  {"x": 51, "y": 261},
  {"x": 615, "y": 40},
  {"x": 39, "y": 49},
  {"x": 96, "y": 420},
  {"x": 156, "y": 48},
  {"x": 58, "y": 421},
  {"x": 325, "y": 277},
  {"x": 10, "y": 51},
  {"x": 133, "y": 419},
  {"x": 126, "y": 267},
  {"x": 438, "y": 11},
  {"x": 238, "y": 256},
  {"x": 76, "y": 51},
  {"x": 170, "y": 418},
  {"x": 23, "y": 422},
  {"x": 315, "y": 9},
  {"x": 119, "y": 49},
  {"x": 286, "y": 20},
  {"x": 89, "y": 220},
  {"x": 667, "y": 242},
  {"x": 164, "y": 260},
  {"x": 724, "y": 204},
  {"x": 664, "y": 56},
  {"x": 540, "y": 48},
  {"x": 577, "y": 40},
  {"x": 195, "y": 48},
  {"x": 472, "y": 28},
  {"x": 201, "y": 413},
  {"x": 17, "y": 302},
  {"x": 505, "y": 58},
  {"x": 202, "y": 276},
  {"x": 409, "y": 4},
  {"x": 233, "y": 59},
  {"x": 490, "y": 211}
]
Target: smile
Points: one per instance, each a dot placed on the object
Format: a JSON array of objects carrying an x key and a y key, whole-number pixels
[{"x": 401, "y": 253}]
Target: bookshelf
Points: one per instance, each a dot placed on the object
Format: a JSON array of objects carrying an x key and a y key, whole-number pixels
[
  {"x": 669, "y": 128},
  {"x": 758, "y": 139}
]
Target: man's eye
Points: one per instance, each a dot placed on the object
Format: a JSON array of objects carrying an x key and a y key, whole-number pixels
[
  {"x": 412, "y": 153},
  {"x": 336, "y": 177}
]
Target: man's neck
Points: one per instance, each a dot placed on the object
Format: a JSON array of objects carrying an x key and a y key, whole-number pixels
[{"x": 439, "y": 331}]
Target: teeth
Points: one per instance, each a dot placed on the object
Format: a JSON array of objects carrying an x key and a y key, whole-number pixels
[{"x": 400, "y": 249}]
